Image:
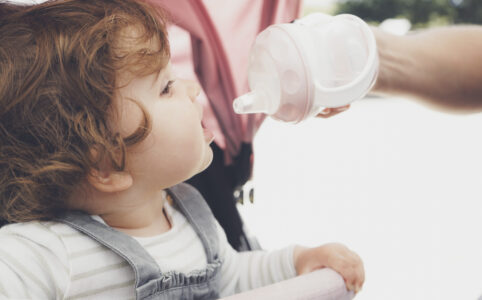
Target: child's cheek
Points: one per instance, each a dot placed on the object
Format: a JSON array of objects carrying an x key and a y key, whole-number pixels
[{"x": 130, "y": 118}]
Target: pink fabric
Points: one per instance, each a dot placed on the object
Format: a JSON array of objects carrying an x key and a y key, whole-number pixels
[{"x": 213, "y": 48}]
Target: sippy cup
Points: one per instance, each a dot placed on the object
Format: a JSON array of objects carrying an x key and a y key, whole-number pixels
[{"x": 297, "y": 69}]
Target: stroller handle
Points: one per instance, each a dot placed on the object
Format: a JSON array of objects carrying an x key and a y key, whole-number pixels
[{"x": 323, "y": 284}]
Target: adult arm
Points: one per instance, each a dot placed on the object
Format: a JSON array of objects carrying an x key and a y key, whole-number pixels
[{"x": 441, "y": 67}]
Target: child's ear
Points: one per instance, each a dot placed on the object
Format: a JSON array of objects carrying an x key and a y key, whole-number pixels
[{"x": 110, "y": 181}]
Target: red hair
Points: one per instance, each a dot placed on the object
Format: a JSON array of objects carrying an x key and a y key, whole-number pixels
[{"x": 58, "y": 66}]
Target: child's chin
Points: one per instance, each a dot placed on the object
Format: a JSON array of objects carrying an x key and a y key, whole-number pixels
[{"x": 208, "y": 160}]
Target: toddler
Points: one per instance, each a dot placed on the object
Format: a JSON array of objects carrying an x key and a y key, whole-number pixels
[{"x": 96, "y": 137}]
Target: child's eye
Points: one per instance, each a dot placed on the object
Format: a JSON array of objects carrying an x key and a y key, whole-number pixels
[{"x": 167, "y": 89}]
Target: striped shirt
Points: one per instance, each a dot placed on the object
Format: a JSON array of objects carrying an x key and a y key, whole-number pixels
[{"x": 49, "y": 260}]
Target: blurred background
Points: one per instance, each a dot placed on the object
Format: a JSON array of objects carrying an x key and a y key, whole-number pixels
[
  {"x": 396, "y": 182},
  {"x": 421, "y": 13}
]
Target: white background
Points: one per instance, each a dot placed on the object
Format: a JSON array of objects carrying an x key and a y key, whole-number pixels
[{"x": 398, "y": 183}]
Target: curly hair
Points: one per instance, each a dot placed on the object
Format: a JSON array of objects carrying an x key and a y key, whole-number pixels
[{"x": 58, "y": 67}]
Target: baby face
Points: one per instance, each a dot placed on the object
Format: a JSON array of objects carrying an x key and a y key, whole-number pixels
[{"x": 177, "y": 146}]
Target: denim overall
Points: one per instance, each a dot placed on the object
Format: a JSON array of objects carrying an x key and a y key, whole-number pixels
[{"x": 150, "y": 282}]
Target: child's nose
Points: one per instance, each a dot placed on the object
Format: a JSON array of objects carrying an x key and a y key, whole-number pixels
[{"x": 193, "y": 89}]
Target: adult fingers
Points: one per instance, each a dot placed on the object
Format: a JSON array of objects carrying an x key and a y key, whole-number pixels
[{"x": 331, "y": 111}]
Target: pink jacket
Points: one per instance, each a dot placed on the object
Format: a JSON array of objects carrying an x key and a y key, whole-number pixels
[{"x": 210, "y": 43}]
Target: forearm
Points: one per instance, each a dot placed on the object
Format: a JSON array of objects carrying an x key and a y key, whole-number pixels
[
  {"x": 243, "y": 271},
  {"x": 441, "y": 67},
  {"x": 260, "y": 268}
]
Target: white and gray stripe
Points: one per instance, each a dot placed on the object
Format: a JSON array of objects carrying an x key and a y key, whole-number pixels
[{"x": 79, "y": 268}]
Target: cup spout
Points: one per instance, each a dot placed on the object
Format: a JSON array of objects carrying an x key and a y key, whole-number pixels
[{"x": 253, "y": 102}]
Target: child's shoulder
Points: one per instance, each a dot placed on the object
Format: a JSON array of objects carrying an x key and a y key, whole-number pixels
[
  {"x": 34, "y": 229},
  {"x": 45, "y": 235},
  {"x": 35, "y": 256}
]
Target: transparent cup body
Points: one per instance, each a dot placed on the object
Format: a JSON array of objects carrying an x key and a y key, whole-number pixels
[{"x": 320, "y": 61}]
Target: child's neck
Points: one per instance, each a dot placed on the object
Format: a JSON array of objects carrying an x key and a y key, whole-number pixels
[
  {"x": 147, "y": 218},
  {"x": 141, "y": 222},
  {"x": 142, "y": 217}
]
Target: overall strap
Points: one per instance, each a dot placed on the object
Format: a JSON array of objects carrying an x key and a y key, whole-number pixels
[
  {"x": 193, "y": 206},
  {"x": 144, "y": 267}
]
